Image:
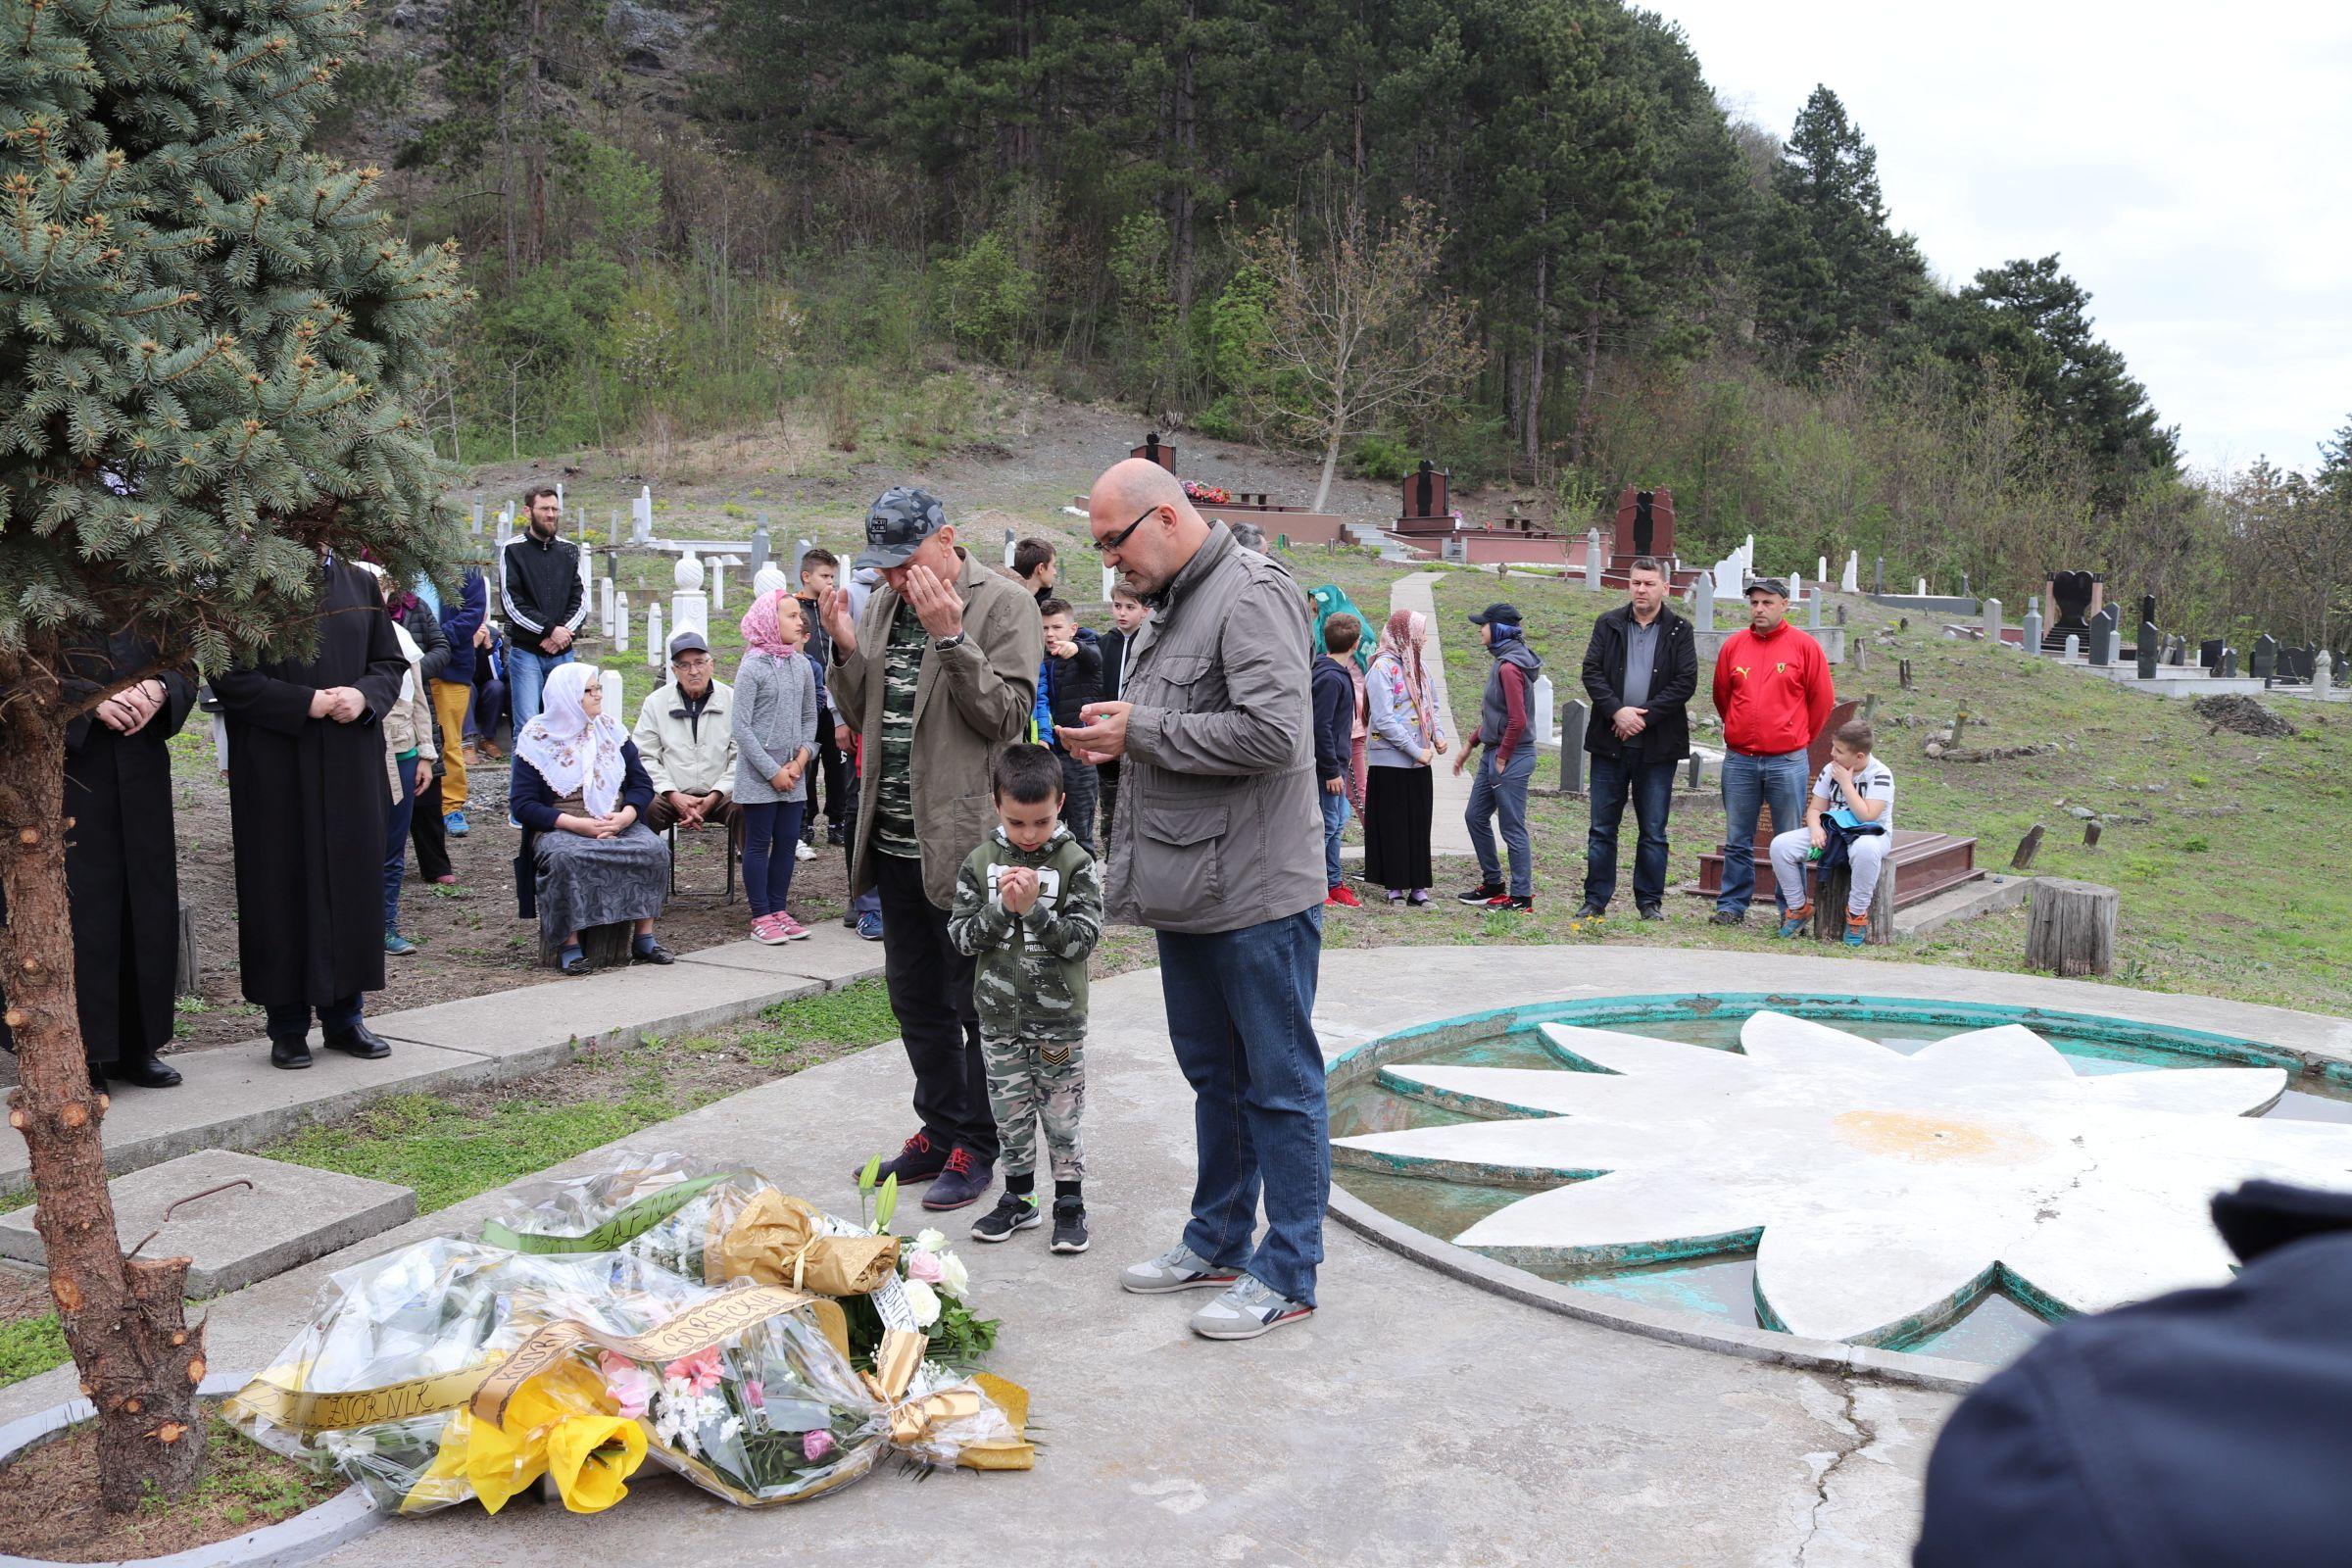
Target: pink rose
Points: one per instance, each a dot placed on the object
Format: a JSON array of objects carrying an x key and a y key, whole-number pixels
[
  {"x": 815, "y": 1446},
  {"x": 632, "y": 1386},
  {"x": 700, "y": 1372},
  {"x": 924, "y": 1266}
]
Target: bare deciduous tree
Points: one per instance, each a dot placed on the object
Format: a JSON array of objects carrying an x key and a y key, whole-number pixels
[{"x": 1360, "y": 333}]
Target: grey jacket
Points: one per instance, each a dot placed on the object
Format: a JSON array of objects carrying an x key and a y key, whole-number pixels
[
  {"x": 970, "y": 703},
  {"x": 1218, "y": 825},
  {"x": 775, "y": 719},
  {"x": 693, "y": 757},
  {"x": 1396, "y": 736}
]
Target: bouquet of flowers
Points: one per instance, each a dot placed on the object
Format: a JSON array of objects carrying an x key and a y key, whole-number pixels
[{"x": 1211, "y": 494}]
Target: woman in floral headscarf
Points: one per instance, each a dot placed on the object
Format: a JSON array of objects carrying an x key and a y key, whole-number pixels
[
  {"x": 578, "y": 790},
  {"x": 1407, "y": 732}
]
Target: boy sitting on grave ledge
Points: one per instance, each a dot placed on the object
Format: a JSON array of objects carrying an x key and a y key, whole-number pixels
[{"x": 1852, "y": 801}]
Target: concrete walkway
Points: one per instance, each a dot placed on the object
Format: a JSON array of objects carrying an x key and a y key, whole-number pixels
[
  {"x": 1451, "y": 793},
  {"x": 233, "y": 1099},
  {"x": 1414, "y": 1420}
]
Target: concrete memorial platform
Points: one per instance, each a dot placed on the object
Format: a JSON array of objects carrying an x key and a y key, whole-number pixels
[{"x": 240, "y": 1217}]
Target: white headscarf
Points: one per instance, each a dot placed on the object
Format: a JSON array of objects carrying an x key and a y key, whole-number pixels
[{"x": 571, "y": 751}]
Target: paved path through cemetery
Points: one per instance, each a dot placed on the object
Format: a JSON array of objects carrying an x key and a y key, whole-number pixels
[{"x": 1414, "y": 1420}]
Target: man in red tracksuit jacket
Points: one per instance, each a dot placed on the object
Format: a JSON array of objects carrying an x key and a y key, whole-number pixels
[{"x": 1773, "y": 689}]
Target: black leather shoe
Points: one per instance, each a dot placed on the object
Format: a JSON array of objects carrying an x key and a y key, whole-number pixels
[
  {"x": 357, "y": 1041},
  {"x": 1589, "y": 910},
  {"x": 289, "y": 1052},
  {"x": 1651, "y": 912},
  {"x": 143, "y": 1072},
  {"x": 644, "y": 949}
]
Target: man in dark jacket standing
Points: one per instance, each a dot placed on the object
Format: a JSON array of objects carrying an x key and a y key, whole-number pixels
[
  {"x": 1508, "y": 762},
  {"x": 1641, "y": 670},
  {"x": 540, "y": 589},
  {"x": 1215, "y": 849},
  {"x": 1333, "y": 692}
]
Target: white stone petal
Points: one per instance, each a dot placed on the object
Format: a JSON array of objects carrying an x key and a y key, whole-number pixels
[
  {"x": 1788, "y": 1045},
  {"x": 2211, "y": 1091},
  {"x": 1611, "y": 1051},
  {"x": 1512, "y": 1091},
  {"x": 1629, "y": 1217},
  {"x": 2316, "y": 1153},
  {"x": 1869, "y": 1275},
  {"x": 2006, "y": 1055},
  {"x": 2109, "y": 1241},
  {"x": 1506, "y": 1150}
]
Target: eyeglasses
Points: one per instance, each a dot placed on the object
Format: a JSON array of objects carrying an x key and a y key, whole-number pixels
[{"x": 1109, "y": 546}]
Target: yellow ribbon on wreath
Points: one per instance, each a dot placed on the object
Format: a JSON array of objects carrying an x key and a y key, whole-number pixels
[{"x": 896, "y": 1362}]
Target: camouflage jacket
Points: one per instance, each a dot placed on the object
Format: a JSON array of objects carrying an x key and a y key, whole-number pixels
[{"x": 1031, "y": 983}]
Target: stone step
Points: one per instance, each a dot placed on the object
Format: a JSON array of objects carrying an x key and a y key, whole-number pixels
[{"x": 241, "y": 1218}]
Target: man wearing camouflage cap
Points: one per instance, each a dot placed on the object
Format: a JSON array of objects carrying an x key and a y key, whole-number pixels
[{"x": 940, "y": 673}]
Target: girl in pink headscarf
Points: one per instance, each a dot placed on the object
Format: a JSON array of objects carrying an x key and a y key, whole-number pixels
[
  {"x": 774, "y": 724},
  {"x": 1407, "y": 732}
]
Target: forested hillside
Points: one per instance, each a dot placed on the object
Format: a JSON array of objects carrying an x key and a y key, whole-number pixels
[{"x": 1519, "y": 236}]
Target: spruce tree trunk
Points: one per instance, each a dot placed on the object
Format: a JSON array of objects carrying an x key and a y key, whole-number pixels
[{"x": 139, "y": 1360}]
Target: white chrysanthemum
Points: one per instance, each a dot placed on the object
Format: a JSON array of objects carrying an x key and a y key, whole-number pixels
[{"x": 1883, "y": 1193}]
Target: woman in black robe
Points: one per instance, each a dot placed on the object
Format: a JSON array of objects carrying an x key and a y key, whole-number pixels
[
  {"x": 121, "y": 869},
  {"x": 306, "y": 808}
]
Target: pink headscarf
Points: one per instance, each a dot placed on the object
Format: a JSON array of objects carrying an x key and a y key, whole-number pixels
[
  {"x": 763, "y": 625},
  {"x": 1404, "y": 640}
]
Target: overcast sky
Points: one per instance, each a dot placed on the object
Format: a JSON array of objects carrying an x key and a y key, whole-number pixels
[{"x": 2191, "y": 163}]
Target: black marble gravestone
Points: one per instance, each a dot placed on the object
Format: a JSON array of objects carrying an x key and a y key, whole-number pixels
[
  {"x": 2150, "y": 640},
  {"x": 1160, "y": 452},
  {"x": 2209, "y": 654},
  {"x": 2228, "y": 665},
  {"x": 2266, "y": 656},
  {"x": 1427, "y": 492}
]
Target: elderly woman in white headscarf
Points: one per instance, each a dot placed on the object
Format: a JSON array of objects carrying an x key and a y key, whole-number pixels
[{"x": 579, "y": 791}]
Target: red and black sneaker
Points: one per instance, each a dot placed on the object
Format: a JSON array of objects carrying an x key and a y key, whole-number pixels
[
  {"x": 1512, "y": 902},
  {"x": 918, "y": 1159}
]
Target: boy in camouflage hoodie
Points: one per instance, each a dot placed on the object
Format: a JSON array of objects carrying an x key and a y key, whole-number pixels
[{"x": 1029, "y": 907}]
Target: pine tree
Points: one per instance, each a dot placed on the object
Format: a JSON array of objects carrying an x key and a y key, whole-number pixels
[
  {"x": 212, "y": 339},
  {"x": 1829, "y": 268}
]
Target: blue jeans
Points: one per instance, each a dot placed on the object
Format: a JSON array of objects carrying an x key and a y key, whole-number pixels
[
  {"x": 527, "y": 676},
  {"x": 1751, "y": 783},
  {"x": 1650, "y": 784},
  {"x": 771, "y": 836},
  {"x": 396, "y": 842},
  {"x": 1503, "y": 792},
  {"x": 1335, "y": 823},
  {"x": 1239, "y": 1016}
]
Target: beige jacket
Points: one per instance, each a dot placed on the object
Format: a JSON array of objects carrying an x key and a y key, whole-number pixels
[
  {"x": 970, "y": 703},
  {"x": 692, "y": 758},
  {"x": 409, "y": 725},
  {"x": 1218, "y": 824}
]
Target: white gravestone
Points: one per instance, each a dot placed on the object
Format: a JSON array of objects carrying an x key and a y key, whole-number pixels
[
  {"x": 689, "y": 607},
  {"x": 609, "y": 681},
  {"x": 641, "y": 516},
  {"x": 2323, "y": 674},
  {"x": 621, "y": 621},
  {"x": 587, "y": 572},
  {"x": 1992, "y": 621},
  {"x": 1110, "y": 580},
  {"x": 1821, "y": 568},
  {"x": 1592, "y": 557},
  {"x": 652, "y": 635},
  {"x": 604, "y": 605},
  {"x": 2033, "y": 644},
  {"x": 1920, "y": 592},
  {"x": 2074, "y": 647},
  {"x": 1539, "y": 721},
  {"x": 1702, "y": 601},
  {"x": 718, "y": 585},
  {"x": 477, "y": 518},
  {"x": 1850, "y": 582},
  {"x": 1009, "y": 546}
]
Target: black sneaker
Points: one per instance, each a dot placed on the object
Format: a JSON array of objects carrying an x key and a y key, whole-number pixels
[
  {"x": 1014, "y": 1211},
  {"x": 1484, "y": 893},
  {"x": 918, "y": 1159},
  {"x": 1730, "y": 918},
  {"x": 1069, "y": 1225},
  {"x": 961, "y": 1181},
  {"x": 833, "y": 836}
]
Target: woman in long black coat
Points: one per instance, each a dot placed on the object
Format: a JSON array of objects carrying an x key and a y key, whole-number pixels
[
  {"x": 121, "y": 871},
  {"x": 306, "y": 806}
]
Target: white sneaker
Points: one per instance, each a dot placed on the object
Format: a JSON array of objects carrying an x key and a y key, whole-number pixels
[{"x": 1246, "y": 1309}]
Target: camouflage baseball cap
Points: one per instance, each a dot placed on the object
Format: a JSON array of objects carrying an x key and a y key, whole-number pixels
[{"x": 898, "y": 523}]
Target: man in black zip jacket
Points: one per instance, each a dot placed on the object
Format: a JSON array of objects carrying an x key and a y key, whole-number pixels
[
  {"x": 1641, "y": 670},
  {"x": 539, "y": 588}
]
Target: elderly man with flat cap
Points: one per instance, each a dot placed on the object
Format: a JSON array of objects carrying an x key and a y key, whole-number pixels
[
  {"x": 940, "y": 674},
  {"x": 1217, "y": 846}
]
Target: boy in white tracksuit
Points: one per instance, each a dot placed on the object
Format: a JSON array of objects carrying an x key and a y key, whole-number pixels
[{"x": 1855, "y": 781}]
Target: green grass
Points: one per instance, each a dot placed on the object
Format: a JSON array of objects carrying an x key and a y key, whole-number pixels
[
  {"x": 449, "y": 1149},
  {"x": 30, "y": 1345}
]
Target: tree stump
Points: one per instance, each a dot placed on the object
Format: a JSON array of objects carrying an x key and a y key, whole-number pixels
[
  {"x": 605, "y": 945},
  {"x": 1829, "y": 905},
  {"x": 2072, "y": 927}
]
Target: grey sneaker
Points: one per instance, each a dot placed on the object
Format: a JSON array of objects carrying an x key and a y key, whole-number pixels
[
  {"x": 1246, "y": 1309},
  {"x": 1178, "y": 1268}
]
